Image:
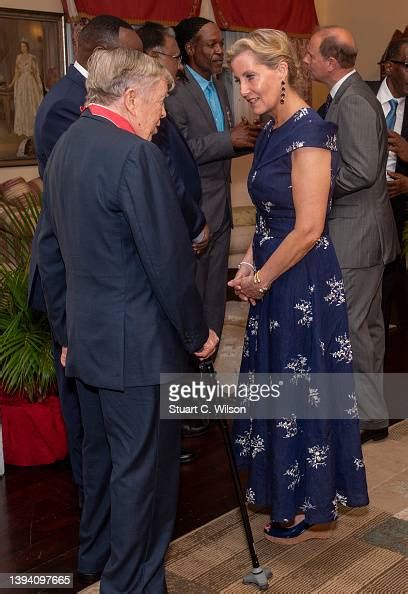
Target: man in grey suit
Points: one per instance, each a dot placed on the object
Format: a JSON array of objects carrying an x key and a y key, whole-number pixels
[
  {"x": 200, "y": 108},
  {"x": 361, "y": 222}
]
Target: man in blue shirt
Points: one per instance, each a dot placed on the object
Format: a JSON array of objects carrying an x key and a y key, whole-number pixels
[{"x": 200, "y": 108}]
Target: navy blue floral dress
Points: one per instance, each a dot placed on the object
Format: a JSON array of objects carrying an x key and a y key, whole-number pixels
[{"x": 300, "y": 328}]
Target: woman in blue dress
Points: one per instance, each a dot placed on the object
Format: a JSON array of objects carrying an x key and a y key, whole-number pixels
[{"x": 301, "y": 468}]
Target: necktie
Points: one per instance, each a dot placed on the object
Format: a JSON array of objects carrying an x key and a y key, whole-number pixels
[
  {"x": 325, "y": 107},
  {"x": 214, "y": 103},
  {"x": 392, "y": 114}
]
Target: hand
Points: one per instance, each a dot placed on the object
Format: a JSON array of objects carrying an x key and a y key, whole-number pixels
[
  {"x": 398, "y": 186},
  {"x": 209, "y": 346},
  {"x": 244, "y": 135},
  {"x": 200, "y": 246},
  {"x": 398, "y": 145},
  {"x": 243, "y": 271},
  {"x": 247, "y": 288},
  {"x": 64, "y": 353}
]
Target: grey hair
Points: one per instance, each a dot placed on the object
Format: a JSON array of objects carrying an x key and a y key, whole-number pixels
[
  {"x": 112, "y": 71},
  {"x": 271, "y": 47}
]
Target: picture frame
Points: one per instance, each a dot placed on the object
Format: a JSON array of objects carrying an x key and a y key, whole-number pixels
[{"x": 32, "y": 60}]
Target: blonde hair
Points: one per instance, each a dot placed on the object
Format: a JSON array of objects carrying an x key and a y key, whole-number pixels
[
  {"x": 112, "y": 71},
  {"x": 271, "y": 47}
]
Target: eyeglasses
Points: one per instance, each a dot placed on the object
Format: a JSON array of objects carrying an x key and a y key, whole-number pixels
[
  {"x": 402, "y": 62},
  {"x": 178, "y": 57}
]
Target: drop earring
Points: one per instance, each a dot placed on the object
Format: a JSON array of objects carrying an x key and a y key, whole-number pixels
[{"x": 283, "y": 92}]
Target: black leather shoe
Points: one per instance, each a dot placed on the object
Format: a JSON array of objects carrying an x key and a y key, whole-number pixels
[
  {"x": 187, "y": 456},
  {"x": 373, "y": 434},
  {"x": 197, "y": 430}
]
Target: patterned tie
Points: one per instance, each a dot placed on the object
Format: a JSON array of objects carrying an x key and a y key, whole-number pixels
[
  {"x": 392, "y": 114},
  {"x": 325, "y": 108},
  {"x": 213, "y": 101}
]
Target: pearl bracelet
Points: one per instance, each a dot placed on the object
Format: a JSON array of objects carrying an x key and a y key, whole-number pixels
[{"x": 247, "y": 263}]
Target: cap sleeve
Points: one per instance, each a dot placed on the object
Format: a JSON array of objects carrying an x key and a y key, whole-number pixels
[{"x": 311, "y": 131}]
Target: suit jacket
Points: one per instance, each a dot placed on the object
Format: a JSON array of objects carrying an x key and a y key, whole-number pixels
[
  {"x": 211, "y": 149},
  {"x": 184, "y": 173},
  {"x": 398, "y": 203},
  {"x": 59, "y": 109},
  {"x": 361, "y": 222},
  {"x": 115, "y": 259}
]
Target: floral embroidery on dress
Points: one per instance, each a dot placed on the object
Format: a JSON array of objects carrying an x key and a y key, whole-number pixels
[
  {"x": 268, "y": 206},
  {"x": 322, "y": 346},
  {"x": 339, "y": 498},
  {"x": 359, "y": 463},
  {"x": 273, "y": 324},
  {"x": 251, "y": 445},
  {"x": 344, "y": 353},
  {"x": 322, "y": 242},
  {"x": 253, "y": 323},
  {"x": 306, "y": 308},
  {"x": 262, "y": 229},
  {"x": 245, "y": 350},
  {"x": 331, "y": 142},
  {"x": 314, "y": 397},
  {"x": 293, "y": 472},
  {"x": 296, "y": 144},
  {"x": 307, "y": 504},
  {"x": 353, "y": 411},
  {"x": 336, "y": 295},
  {"x": 289, "y": 424},
  {"x": 250, "y": 495},
  {"x": 301, "y": 113},
  {"x": 318, "y": 456},
  {"x": 300, "y": 369}
]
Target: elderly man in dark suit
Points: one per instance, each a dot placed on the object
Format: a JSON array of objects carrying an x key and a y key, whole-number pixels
[
  {"x": 200, "y": 108},
  {"x": 361, "y": 223},
  {"x": 392, "y": 93},
  {"x": 118, "y": 277},
  {"x": 60, "y": 108}
]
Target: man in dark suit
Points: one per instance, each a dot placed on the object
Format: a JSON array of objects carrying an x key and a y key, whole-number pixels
[
  {"x": 361, "y": 223},
  {"x": 392, "y": 93},
  {"x": 118, "y": 277},
  {"x": 160, "y": 43},
  {"x": 60, "y": 108},
  {"x": 200, "y": 108}
]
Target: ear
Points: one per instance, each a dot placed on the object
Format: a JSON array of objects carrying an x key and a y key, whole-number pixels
[
  {"x": 189, "y": 48},
  {"x": 130, "y": 101},
  {"x": 283, "y": 69},
  {"x": 332, "y": 63}
]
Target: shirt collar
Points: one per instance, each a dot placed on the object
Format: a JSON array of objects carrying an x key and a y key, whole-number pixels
[
  {"x": 384, "y": 94},
  {"x": 202, "y": 82},
  {"x": 338, "y": 84},
  {"x": 81, "y": 69},
  {"x": 106, "y": 113}
]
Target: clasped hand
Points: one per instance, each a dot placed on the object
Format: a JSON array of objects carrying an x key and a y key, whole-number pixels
[{"x": 245, "y": 287}]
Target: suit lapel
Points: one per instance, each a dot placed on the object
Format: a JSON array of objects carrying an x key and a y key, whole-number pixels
[
  {"x": 343, "y": 87},
  {"x": 195, "y": 90}
]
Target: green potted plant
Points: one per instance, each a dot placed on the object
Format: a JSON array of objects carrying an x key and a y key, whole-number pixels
[{"x": 28, "y": 406}]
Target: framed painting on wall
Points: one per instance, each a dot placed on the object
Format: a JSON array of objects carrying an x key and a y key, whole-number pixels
[{"x": 32, "y": 60}]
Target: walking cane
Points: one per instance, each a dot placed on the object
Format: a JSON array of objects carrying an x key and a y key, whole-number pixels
[{"x": 259, "y": 576}]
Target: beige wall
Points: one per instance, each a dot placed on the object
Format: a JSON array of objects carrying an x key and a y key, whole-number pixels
[
  {"x": 45, "y": 6},
  {"x": 371, "y": 21}
]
